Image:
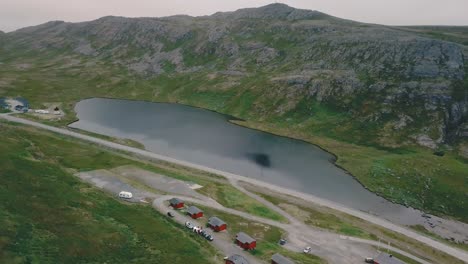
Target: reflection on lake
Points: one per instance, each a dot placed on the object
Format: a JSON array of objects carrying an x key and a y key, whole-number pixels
[{"x": 207, "y": 138}]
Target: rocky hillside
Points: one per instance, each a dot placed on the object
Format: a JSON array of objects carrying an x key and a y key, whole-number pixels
[
  {"x": 371, "y": 94},
  {"x": 399, "y": 86}
]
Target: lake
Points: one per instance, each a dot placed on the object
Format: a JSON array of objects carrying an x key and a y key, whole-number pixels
[{"x": 208, "y": 138}]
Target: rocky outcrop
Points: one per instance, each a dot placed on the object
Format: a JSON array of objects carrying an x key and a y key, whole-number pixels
[
  {"x": 273, "y": 11},
  {"x": 464, "y": 150},
  {"x": 408, "y": 84}
]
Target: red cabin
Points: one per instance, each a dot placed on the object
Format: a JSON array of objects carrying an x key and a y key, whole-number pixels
[
  {"x": 216, "y": 224},
  {"x": 245, "y": 241},
  {"x": 194, "y": 212},
  {"x": 176, "y": 203}
]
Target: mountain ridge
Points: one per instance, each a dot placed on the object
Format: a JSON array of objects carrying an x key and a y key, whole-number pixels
[
  {"x": 395, "y": 95},
  {"x": 365, "y": 58}
]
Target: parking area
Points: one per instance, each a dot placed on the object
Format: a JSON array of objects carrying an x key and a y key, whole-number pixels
[
  {"x": 158, "y": 182},
  {"x": 110, "y": 183}
]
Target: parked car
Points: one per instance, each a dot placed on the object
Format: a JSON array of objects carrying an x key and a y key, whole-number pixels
[
  {"x": 189, "y": 225},
  {"x": 307, "y": 250},
  {"x": 125, "y": 195},
  {"x": 170, "y": 214},
  {"x": 369, "y": 260},
  {"x": 206, "y": 235},
  {"x": 282, "y": 241}
]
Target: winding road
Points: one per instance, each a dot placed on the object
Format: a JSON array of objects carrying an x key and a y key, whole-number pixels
[{"x": 233, "y": 178}]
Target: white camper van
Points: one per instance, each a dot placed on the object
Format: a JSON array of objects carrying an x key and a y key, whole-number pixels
[{"x": 125, "y": 195}]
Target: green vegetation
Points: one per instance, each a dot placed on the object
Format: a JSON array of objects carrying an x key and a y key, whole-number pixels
[
  {"x": 349, "y": 125},
  {"x": 168, "y": 67},
  {"x": 399, "y": 174},
  {"x": 321, "y": 219},
  {"x": 421, "y": 229},
  {"x": 457, "y": 34},
  {"x": 48, "y": 216},
  {"x": 267, "y": 237},
  {"x": 230, "y": 197}
]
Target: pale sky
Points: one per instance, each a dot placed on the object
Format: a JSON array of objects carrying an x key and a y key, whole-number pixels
[{"x": 15, "y": 14}]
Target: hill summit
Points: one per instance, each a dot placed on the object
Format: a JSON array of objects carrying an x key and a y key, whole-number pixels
[{"x": 398, "y": 85}]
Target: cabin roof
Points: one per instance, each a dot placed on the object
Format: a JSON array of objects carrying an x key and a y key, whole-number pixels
[
  {"x": 244, "y": 238},
  {"x": 238, "y": 259},
  {"x": 175, "y": 201},
  {"x": 215, "y": 221},
  {"x": 280, "y": 259},
  {"x": 194, "y": 210}
]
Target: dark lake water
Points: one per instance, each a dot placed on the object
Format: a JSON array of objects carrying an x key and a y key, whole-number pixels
[{"x": 208, "y": 138}]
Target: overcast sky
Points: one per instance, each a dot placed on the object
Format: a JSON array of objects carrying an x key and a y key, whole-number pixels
[{"x": 15, "y": 14}]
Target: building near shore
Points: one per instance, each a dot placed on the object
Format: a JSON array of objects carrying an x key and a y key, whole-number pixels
[
  {"x": 245, "y": 241},
  {"x": 194, "y": 212},
  {"x": 280, "y": 259},
  {"x": 216, "y": 224},
  {"x": 23, "y": 102},
  {"x": 236, "y": 259},
  {"x": 176, "y": 203},
  {"x": 384, "y": 258}
]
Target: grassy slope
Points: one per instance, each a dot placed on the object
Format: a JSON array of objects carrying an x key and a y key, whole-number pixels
[
  {"x": 410, "y": 175},
  {"x": 421, "y": 229},
  {"x": 321, "y": 219},
  {"x": 230, "y": 197},
  {"x": 457, "y": 34},
  {"x": 48, "y": 216}
]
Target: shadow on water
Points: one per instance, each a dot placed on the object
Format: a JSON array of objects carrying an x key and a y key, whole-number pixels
[
  {"x": 260, "y": 159},
  {"x": 207, "y": 138}
]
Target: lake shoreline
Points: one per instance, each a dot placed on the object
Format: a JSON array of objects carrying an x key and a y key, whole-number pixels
[
  {"x": 376, "y": 220},
  {"x": 244, "y": 123},
  {"x": 333, "y": 160}
]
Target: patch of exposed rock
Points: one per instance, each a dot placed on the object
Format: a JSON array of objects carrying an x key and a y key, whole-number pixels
[
  {"x": 375, "y": 73},
  {"x": 426, "y": 141}
]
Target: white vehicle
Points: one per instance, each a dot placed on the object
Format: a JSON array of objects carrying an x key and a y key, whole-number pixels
[
  {"x": 40, "y": 111},
  {"x": 307, "y": 250},
  {"x": 189, "y": 225},
  {"x": 125, "y": 195}
]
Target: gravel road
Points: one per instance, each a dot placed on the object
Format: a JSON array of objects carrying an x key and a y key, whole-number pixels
[
  {"x": 332, "y": 247},
  {"x": 458, "y": 253}
]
